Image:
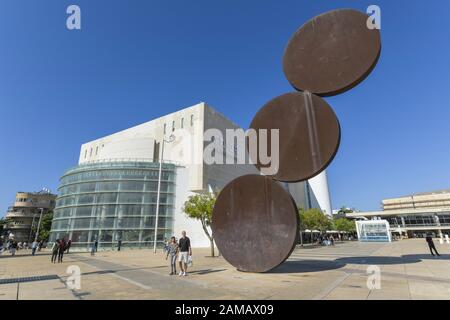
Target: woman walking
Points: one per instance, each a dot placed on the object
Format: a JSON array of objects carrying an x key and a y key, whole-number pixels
[{"x": 172, "y": 250}]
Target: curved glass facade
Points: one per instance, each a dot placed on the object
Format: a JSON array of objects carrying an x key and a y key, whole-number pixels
[{"x": 112, "y": 201}]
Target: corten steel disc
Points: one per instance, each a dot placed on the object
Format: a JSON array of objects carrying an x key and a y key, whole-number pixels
[
  {"x": 309, "y": 135},
  {"x": 255, "y": 223},
  {"x": 332, "y": 52}
]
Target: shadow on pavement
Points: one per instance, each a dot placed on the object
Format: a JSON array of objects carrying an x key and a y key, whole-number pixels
[
  {"x": 378, "y": 260},
  {"x": 6, "y": 255},
  {"x": 206, "y": 271},
  {"x": 300, "y": 266},
  {"x": 305, "y": 266},
  {"x": 427, "y": 256}
]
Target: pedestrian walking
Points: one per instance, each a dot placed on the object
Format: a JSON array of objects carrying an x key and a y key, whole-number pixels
[
  {"x": 431, "y": 246},
  {"x": 69, "y": 243},
  {"x": 34, "y": 247},
  {"x": 93, "y": 248},
  {"x": 61, "y": 249},
  {"x": 55, "y": 250},
  {"x": 185, "y": 251},
  {"x": 172, "y": 251},
  {"x": 13, "y": 248}
]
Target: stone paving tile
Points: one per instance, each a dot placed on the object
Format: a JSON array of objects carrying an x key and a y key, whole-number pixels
[{"x": 408, "y": 271}]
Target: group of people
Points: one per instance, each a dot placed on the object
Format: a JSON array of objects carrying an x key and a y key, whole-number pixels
[
  {"x": 180, "y": 251},
  {"x": 325, "y": 240},
  {"x": 59, "y": 247},
  {"x": 12, "y": 246}
]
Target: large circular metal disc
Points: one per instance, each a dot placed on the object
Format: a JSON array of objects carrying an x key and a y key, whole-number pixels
[
  {"x": 309, "y": 135},
  {"x": 255, "y": 223},
  {"x": 332, "y": 52}
]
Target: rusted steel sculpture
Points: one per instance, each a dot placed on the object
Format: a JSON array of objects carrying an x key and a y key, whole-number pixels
[
  {"x": 255, "y": 223},
  {"x": 255, "y": 220}
]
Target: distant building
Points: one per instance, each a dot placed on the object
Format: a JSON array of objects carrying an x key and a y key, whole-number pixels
[
  {"x": 26, "y": 211},
  {"x": 414, "y": 215},
  {"x": 111, "y": 194}
]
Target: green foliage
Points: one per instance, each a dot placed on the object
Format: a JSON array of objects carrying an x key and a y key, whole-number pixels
[
  {"x": 46, "y": 225},
  {"x": 314, "y": 219},
  {"x": 200, "y": 207},
  {"x": 344, "y": 225},
  {"x": 3, "y": 224},
  {"x": 345, "y": 209}
]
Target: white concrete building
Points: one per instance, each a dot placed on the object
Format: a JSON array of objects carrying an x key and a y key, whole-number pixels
[
  {"x": 414, "y": 216},
  {"x": 181, "y": 133}
]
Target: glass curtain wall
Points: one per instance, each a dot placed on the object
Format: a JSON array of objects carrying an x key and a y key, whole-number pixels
[{"x": 114, "y": 201}]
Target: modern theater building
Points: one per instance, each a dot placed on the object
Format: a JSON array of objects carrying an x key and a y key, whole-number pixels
[
  {"x": 414, "y": 215},
  {"x": 112, "y": 194}
]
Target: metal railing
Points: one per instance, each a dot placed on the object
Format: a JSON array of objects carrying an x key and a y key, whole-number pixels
[{"x": 115, "y": 162}]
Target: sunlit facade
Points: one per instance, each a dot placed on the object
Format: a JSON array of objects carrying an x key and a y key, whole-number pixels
[
  {"x": 112, "y": 201},
  {"x": 111, "y": 195},
  {"x": 414, "y": 216}
]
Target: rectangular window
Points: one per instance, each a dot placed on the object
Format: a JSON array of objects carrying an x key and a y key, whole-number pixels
[
  {"x": 182, "y": 123},
  {"x": 90, "y": 154},
  {"x": 85, "y": 153},
  {"x": 164, "y": 128},
  {"x": 96, "y": 151},
  {"x": 173, "y": 125},
  {"x": 192, "y": 120}
]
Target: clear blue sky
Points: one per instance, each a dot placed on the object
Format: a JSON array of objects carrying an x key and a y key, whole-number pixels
[{"x": 137, "y": 60}]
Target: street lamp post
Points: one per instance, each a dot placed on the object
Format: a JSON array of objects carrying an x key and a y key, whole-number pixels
[
  {"x": 39, "y": 225},
  {"x": 31, "y": 229},
  {"x": 171, "y": 139}
]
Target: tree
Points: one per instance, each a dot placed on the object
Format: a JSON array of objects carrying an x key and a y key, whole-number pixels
[
  {"x": 200, "y": 207},
  {"x": 3, "y": 224},
  {"x": 46, "y": 225},
  {"x": 314, "y": 219},
  {"x": 344, "y": 225},
  {"x": 344, "y": 210}
]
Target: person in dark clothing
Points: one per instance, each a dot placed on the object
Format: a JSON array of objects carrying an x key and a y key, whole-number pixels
[
  {"x": 185, "y": 250},
  {"x": 119, "y": 244},
  {"x": 55, "y": 250},
  {"x": 95, "y": 245},
  {"x": 430, "y": 242},
  {"x": 13, "y": 248},
  {"x": 69, "y": 243},
  {"x": 62, "y": 248}
]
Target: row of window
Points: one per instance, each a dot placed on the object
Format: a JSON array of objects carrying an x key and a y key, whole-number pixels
[
  {"x": 35, "y": 200},
  {"x": 114, "y": 197},
  {"x": 113, "y": 210},
  {"x": 151, "y": 186},
  {"x": 181, "y": 124},
  {"x": 118, "y": 175},
  {"x": 105, "y": 237},
  {"x": 112, "y": 223},
  {"x": 91, "y": 150},
  {"x": 419, "y": 220}
]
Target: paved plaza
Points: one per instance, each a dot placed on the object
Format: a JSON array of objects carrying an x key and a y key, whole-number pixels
[{"x": 408, "y": 271}]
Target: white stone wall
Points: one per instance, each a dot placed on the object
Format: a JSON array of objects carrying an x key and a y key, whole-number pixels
[
  {"x": 186, "y": 150},
  {"x": 319, "y": 186}
]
